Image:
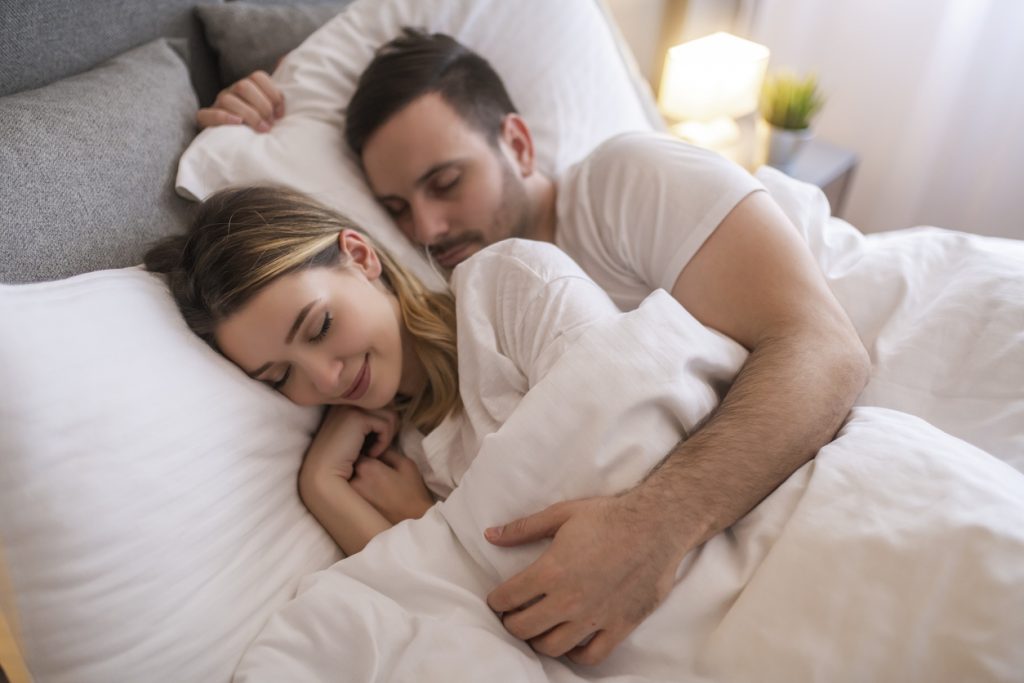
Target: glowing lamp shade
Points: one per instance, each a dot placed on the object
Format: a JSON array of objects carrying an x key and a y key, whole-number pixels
[{"x": 718, "y": 75}]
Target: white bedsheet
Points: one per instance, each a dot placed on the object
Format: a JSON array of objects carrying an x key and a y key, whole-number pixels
[
  {"x": 941, "y": 313},
  {"x": 897, "y": 554}
]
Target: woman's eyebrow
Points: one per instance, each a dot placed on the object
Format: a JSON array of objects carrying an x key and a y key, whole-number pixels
[
  {"x": 287, "y": 340},
  {"x": 298, "y": 321}
]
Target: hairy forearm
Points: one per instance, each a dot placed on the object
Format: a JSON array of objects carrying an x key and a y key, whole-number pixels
[
  {"x": 348, "y": 517},
  {"x": 788, "y": 401}
]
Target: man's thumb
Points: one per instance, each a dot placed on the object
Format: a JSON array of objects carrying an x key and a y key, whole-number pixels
[{"x": 543, "y": 524}]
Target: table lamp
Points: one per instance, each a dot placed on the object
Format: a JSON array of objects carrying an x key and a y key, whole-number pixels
[{"x": 708, "y": 83}]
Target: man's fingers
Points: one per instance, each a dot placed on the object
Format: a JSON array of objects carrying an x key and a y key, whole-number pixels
[
  {"x": 234, "y": 104},
  {"x": 271, "y": 91},
  {"x": 561, "y": 639},
  {"x": 533, "y": 620},
  {"x": 595, "y": 651},
  {"x": 517, "y": 591},
  {"x": 543, "y": 524},
  {"x": 209, "y": 116},
  {"x": 255, "y": 98}
]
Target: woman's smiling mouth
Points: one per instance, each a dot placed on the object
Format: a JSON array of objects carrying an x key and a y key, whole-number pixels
[{"x": 360, "y": 384}]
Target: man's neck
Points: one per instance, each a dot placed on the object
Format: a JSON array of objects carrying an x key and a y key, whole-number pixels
[{"x": 541, "y": 193}]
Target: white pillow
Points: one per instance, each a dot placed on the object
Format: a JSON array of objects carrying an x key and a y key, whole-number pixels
[
  {"x": 149, "y": 515},
  {"x": 560, "y": 62}
]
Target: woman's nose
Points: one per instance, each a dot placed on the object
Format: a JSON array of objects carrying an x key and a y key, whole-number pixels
[{"x": 326, "y": 377}]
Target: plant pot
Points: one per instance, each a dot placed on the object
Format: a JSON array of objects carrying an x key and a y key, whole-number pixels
[{"x": 784, "y": 144}]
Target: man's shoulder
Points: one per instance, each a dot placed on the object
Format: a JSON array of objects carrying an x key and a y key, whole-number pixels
[{"x": 643, "y": 147}]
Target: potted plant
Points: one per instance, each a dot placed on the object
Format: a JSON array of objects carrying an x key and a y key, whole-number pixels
[{"x": 788, "y": 103}]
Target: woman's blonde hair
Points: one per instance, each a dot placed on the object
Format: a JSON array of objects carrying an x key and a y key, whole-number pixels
[{"x": 243, "y": 239}]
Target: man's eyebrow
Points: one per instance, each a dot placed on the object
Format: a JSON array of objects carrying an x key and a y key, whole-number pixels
[{"x": 436, "y": 168}]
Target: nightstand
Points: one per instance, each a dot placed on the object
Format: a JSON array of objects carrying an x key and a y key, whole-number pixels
[{"x": 828, "y": 166}]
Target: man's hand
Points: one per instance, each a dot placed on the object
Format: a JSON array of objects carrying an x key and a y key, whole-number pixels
[
  {"x": 393, "y": 485},
  {"x": 254, "y": 101},
  {"x": 611, "y": 562}
]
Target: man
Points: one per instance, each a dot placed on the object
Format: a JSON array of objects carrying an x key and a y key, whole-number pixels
[{"x": 450, "y": 159}]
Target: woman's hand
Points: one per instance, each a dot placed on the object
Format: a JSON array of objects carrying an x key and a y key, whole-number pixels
[
  {"x": 393, "y": 485},
  {"x": 344, "y": 435}
]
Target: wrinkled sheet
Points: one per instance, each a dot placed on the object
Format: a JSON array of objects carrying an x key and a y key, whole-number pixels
[
  {"x": 897, "y": 554},
  {"x": 941, "y": 313}
]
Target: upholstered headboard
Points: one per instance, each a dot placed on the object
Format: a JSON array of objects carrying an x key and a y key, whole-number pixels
[{"x": 93, "y": 117}]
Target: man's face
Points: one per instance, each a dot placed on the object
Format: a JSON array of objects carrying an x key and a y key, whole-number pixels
[{"x": 446, "y": 187}]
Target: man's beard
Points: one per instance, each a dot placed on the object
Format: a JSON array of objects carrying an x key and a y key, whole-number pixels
[{"x": 511, "y": 218}]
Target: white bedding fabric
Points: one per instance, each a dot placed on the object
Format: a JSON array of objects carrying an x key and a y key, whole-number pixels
[
  {"x": 896, "y": 555},
  {"x": 941, "y": 313},
  {"x": 149, "y": 517}
]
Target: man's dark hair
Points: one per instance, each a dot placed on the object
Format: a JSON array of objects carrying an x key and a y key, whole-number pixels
[{"x": 417, "y": 63}]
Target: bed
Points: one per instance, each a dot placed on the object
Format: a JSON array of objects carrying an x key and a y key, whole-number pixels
[{"x": 149, "y": 519}]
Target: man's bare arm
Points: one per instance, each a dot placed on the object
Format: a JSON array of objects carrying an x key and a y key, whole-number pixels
[{"x": 613, "y": 560}]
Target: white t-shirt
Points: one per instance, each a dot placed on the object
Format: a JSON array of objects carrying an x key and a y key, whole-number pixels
[
  {"x": 519, "y": 303},
  {"x": 636, "y": 210},
  {"x": 632, "y": 214}
]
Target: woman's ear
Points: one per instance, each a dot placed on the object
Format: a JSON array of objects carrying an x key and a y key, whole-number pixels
[
  {"x": 358, "y": 252},
  {"x": 516, "y": 138}
]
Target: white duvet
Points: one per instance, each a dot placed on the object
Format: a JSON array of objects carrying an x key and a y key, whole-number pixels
[{"x": 896, "y": 555}]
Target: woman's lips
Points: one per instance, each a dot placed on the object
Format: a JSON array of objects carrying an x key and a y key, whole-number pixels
[{"x": 360, "y": 384}]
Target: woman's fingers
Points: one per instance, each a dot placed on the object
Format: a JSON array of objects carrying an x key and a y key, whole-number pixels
[{"x": 386, "y": 426}]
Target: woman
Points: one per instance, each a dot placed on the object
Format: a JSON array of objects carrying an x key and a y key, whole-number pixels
[{"x": 299, "y": 299}]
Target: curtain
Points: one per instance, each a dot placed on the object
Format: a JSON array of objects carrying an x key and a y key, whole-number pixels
[{"x": 929, "y": 93}]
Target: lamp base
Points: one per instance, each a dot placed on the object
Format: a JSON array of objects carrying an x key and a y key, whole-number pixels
[{"x": 717, "y": 134}]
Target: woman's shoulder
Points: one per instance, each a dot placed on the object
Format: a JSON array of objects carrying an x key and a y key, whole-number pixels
[{"x": 515, "y": 260}]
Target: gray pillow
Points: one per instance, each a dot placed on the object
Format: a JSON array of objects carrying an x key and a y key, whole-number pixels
[
  {"x": 247, "y": 37},
  {"x": 88, "y": 165},
  {"x": 44, "y": 41}
]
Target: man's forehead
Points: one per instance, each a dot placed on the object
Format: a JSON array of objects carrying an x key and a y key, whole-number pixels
[{"x": 425, "y": 134}]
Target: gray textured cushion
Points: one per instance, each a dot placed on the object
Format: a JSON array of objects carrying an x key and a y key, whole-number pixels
[
  {"x": 46, "y": 40},
  {"x": 88, "y": 165},
  {"x": 247, "y": 37}
]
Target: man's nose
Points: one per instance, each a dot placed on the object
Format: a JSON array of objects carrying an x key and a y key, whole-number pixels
[
  {"x": 326, "y": 376},
  {"x": 430, "y": 224}
]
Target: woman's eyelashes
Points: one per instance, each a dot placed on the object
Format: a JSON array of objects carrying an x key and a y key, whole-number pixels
[
  {"x": 323, "y": 329},
  {"x": 280, "y": 383}
]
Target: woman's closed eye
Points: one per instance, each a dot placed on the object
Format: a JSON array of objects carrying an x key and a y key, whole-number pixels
[
  {"x": 276, "y": 385},
  {"x": 324, "y": 327},
  {"x": 328, "y": 319}
]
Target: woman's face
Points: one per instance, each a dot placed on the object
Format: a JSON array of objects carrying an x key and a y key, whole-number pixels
[{"x": 326, "y": 335}]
